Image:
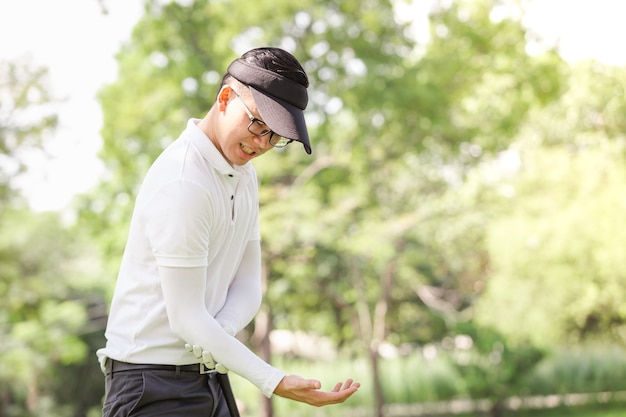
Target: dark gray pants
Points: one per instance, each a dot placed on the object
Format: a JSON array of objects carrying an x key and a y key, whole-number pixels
[{"x": 153, "y": 393}]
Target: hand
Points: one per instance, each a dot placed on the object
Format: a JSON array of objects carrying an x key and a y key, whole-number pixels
[
  {"x": 206, "y": 358},
  {"x": 308, "y": 391}
]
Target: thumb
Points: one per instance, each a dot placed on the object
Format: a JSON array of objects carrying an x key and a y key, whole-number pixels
[
  {"x": 312, "y": 384},
  {"x": 296, "y": 382}
]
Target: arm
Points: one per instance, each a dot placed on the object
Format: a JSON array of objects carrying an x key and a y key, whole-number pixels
[
  {"x": 244, "y": 294},
  {"x": 183, "y": 291},
  {"x": 188, "y": 318}
]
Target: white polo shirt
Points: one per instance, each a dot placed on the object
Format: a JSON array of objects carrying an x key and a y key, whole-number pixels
[{"x": 193, "y": 210}]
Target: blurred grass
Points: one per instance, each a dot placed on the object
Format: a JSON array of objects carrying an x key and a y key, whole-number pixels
[
  {"x": 412, "y": 379},
  {"x": 601, "y": 410},
  {"x": 580, "y": 369},
  {"x": 329, "y": 373}
]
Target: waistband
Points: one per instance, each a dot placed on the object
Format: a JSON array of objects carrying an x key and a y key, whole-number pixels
[{"x": 112, "y": 366}]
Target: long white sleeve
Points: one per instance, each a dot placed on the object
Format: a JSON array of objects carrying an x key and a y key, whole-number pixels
[
  {"x": 183, "y": 291},
  {"x": 245, "y": 292}
]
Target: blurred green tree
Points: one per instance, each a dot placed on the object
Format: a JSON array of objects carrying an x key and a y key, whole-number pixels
[
  {"x": 25, "y": 115},
  {"x": 490, "y": 366},
  {"x": 375, "y": 238},
  {"x": 45, "y": 265},
  {"x": 559, "y": 277}
]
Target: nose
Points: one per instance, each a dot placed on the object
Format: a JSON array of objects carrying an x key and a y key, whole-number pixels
[{"x": 262, "y": 142}]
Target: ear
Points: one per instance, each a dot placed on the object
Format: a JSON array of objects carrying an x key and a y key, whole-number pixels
[{"x": 224, "y": 96}]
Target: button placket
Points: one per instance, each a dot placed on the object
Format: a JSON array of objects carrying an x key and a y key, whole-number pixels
[{"x": 232, "y": 182}]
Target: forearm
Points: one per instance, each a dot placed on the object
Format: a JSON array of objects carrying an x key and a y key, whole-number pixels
[
  {"x": 189, "y": 319},
  {"x": 245, "y": 293}
]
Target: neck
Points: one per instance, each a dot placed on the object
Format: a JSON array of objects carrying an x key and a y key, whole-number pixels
[{"x": 208, "y": 127}]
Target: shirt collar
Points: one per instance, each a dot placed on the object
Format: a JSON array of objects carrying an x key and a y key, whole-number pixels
[{"x": 210, "y": 152}]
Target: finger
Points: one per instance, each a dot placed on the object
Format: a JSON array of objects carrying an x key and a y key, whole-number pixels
[
  {"x": 208, "y": 360},
  {"x": 337, "y": 397},
  {"x": 346, "y": 385},
  {"x": 197, "y": 351}
]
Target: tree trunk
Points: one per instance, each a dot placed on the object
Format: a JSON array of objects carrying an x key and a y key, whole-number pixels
[
  {"x": 261, "y": 341},
  {"x": 379, "y": 399},
  {"x": 372, "y": 327},
  {"x": 379, "y": 333}
]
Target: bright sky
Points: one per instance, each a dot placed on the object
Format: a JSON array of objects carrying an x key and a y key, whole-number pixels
[
  {"x": 78, "y": 43},
  {"x": 586, "y": 28}
]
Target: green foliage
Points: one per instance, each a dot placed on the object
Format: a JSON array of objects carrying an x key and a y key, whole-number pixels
[
  {"x": 413, "y": 379},
  {"x": 422, "y": 377},
  {"x": 580, "y": 368},
  {"x": 25, "y": 116},
  {"x": 601, "y": 410},
  {"x": 489, "y": 365},
  {"x": 401, "y": 219},
  {"x": 481, "y": 97},
  {"x": 406, "y": 380},
  {"x": 559, "y": 275},
  {"x": 378, "y": 188},
  {"x": 43, "y": 264},
  {"x": 555, "y": 246},
  {"x": 46, "y": 291}
]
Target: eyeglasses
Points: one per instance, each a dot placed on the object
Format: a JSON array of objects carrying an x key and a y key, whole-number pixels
[{"x": 258, "y": 128}]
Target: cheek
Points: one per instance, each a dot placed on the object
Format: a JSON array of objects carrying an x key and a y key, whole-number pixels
[{"x": 229, "y": 132}]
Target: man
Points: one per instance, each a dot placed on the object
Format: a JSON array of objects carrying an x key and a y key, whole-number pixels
[{"x": 190, "y": 274}]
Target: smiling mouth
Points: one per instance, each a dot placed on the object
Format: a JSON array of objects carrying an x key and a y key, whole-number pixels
[{"x": 247, "y": 150}]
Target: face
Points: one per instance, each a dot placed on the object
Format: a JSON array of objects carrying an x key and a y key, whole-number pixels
[{"x": 232, "y": 137}]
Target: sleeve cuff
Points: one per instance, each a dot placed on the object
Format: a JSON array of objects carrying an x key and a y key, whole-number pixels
[{"x": 272, "y": 383}]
